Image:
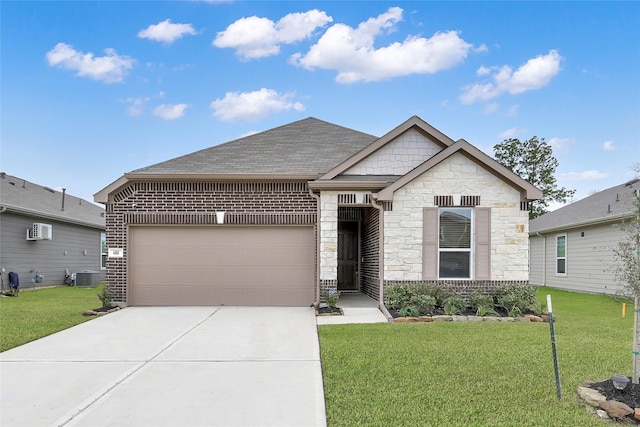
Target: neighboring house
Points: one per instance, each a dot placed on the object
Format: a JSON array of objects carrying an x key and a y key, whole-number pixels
[
  {"x": 572, "y": 247},
  {"x": 44, "y": 231},
  {"x": 277, "y": 217}
]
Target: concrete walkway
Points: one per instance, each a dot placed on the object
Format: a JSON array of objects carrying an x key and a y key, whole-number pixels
[
  {"x": 357, "y": 308},
  {"x": 170, "y": 366}
]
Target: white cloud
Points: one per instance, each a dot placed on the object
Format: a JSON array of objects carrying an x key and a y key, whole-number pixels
[
  {"x": 352, "y": 53},
  {"x": 170, "y": 112},
  {"x": 252, "y": 106},
  {"x": 589, "y": 175},
  {"x": 166, "y": 31},
  {"x": 513, "y": 110},
  {"x": 560, "y": 144},
  {"x": 608, "y": 146},
  {"x": 136, "y": 105},
  {"x": 534, "y": 74},
  {"x": 256, "y": 37},
  {"x": 483, "y": 71},
  {"x": 490, "y": 108},
  {"x": 512, "y": 133},
  {"x": 110, "y": 68}
]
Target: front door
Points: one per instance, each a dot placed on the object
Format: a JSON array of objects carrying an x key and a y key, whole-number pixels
[{"x": 348, "y": 256}]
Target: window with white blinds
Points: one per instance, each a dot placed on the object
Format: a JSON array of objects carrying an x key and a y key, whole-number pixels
[{"x": 455, "y": 246}]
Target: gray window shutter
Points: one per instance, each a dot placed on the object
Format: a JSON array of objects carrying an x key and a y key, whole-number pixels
[
  {"x": 430, "y": 244},
  {"x": 483, "y": 243}
]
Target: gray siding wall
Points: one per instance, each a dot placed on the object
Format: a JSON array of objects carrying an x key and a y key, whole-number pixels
[
  {"x": 50, "y": 257},
  {"x": 590, "y": 260}
]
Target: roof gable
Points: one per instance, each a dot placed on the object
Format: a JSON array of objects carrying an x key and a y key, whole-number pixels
[
  {"x": 397, "y": 157},
  {"x": 528, "y": 191},
  {"x": 23, "y": 197},
  {"x": 432, "y": 141},
  {"x": 610, "y": 205}
]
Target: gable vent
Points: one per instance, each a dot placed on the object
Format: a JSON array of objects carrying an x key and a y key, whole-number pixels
[
  {"x": 524, "y": 206},
  {"x": 354, "y": 199},
  {"x": 464, "y": 201}
]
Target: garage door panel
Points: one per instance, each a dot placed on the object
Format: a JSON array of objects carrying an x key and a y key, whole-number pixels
[{"x": 213, "y": 265}]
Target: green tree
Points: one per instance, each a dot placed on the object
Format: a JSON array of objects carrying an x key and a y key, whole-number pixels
[
  {"x": 533, "y": 161},
  {"x": 627, "y": 269}
]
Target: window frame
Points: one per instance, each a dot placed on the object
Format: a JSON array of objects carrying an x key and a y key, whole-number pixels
[
  {"x": 470, "y": 250},
  {"x": 103, "y": 251},
  {"x": 564, "y": 257}
]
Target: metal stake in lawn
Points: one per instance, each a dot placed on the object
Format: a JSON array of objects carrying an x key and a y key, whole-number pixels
[{"x": 553, "y": 347}]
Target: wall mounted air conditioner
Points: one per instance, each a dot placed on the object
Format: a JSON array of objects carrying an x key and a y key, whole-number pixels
[{"x": 40, "y": 231}]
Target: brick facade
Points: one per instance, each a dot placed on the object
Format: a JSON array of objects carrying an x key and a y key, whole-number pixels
[{"x": 188, "y": 203}]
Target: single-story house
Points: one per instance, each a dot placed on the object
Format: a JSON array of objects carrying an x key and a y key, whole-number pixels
[
  {"x": 278, "y": 217},
  {"x": 572, "y": 247},
  {"x": 44, "y": 232}
]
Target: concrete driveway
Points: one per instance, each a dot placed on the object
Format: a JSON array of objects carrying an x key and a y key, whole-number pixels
[{"x": 170, "y": 366}]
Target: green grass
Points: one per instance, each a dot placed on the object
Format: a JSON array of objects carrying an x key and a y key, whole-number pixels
[
  {"x": 474, "y": 374},
  {"x": 42, "y": 312}
]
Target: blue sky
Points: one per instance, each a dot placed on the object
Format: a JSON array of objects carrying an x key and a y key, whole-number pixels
[{"x": 92, "y": 90}]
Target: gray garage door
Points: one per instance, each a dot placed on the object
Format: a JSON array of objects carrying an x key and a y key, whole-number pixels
[{"x": 221, "y": 265}]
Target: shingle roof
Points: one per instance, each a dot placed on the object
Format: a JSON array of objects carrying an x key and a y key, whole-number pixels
[
  {"x": 607, "y": 205},
  {"x": 305, "y": 147},
  {"x": 21, "y": 196}
]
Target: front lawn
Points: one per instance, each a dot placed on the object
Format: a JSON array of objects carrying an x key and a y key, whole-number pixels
[
  {"x": 474, "y": 374},
  {"x": 42, "y": 312}
]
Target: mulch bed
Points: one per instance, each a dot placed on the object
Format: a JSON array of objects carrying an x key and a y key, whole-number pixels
[
  {"x": 629, "y": 396},
  {"x": 329, "y": 311},
  {"x": 101, "y": 311}
]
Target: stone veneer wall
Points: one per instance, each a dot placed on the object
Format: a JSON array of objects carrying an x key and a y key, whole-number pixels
[
  {"x": 328, "y": 235},
  {"x": 398, "y": 157},
  {"x": 182, "y": 203},
  {"x": 456, "y": 175}
]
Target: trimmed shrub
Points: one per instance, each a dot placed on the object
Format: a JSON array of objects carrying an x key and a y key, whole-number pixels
[{"x": 515, "y": 295}]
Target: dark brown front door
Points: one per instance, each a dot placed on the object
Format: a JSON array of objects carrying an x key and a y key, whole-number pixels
[{"x": 348, "y": 256}]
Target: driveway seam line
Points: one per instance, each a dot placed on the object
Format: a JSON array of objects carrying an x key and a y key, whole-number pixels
[{"x": 134, "y": 370}]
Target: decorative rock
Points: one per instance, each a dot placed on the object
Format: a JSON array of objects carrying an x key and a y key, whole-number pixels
[
  {"x": 545, "y": 317},
  {"x": 522, "y": 319},
  {"x": 425, "y": 319},
  {"x": 602, "y": 414},
  {"x": 400, "y": 320},
  {"x": 506, "y": 319},
  {"x": 459, "y": 318},
  {"x": 475, "y": 318},
  {"x": 616, "y": 409},
  {"x": 442, "y": 318},
  {"x": 90, "y": 313},
  {"x": 491, "y": 319},
  {"x": 533, "y": 318},
  {"x": 590, "y": 396},
  {"x": 412, "y": 319},
  {"x": 636, "y": 414}
]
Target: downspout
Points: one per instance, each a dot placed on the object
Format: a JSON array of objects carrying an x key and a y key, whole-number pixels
[
  {"x": 381, "y": 305},
  {"x": 316, "y": 303},
  {"x": 544, "y": 258}
]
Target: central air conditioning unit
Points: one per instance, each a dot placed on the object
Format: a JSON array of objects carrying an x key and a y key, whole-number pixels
[{"x": 40, "y": 231}]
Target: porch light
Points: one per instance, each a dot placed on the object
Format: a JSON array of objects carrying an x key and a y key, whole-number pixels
[
  {"x": 620, "y": 382},
  {"x": 220, "y": 217}
]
